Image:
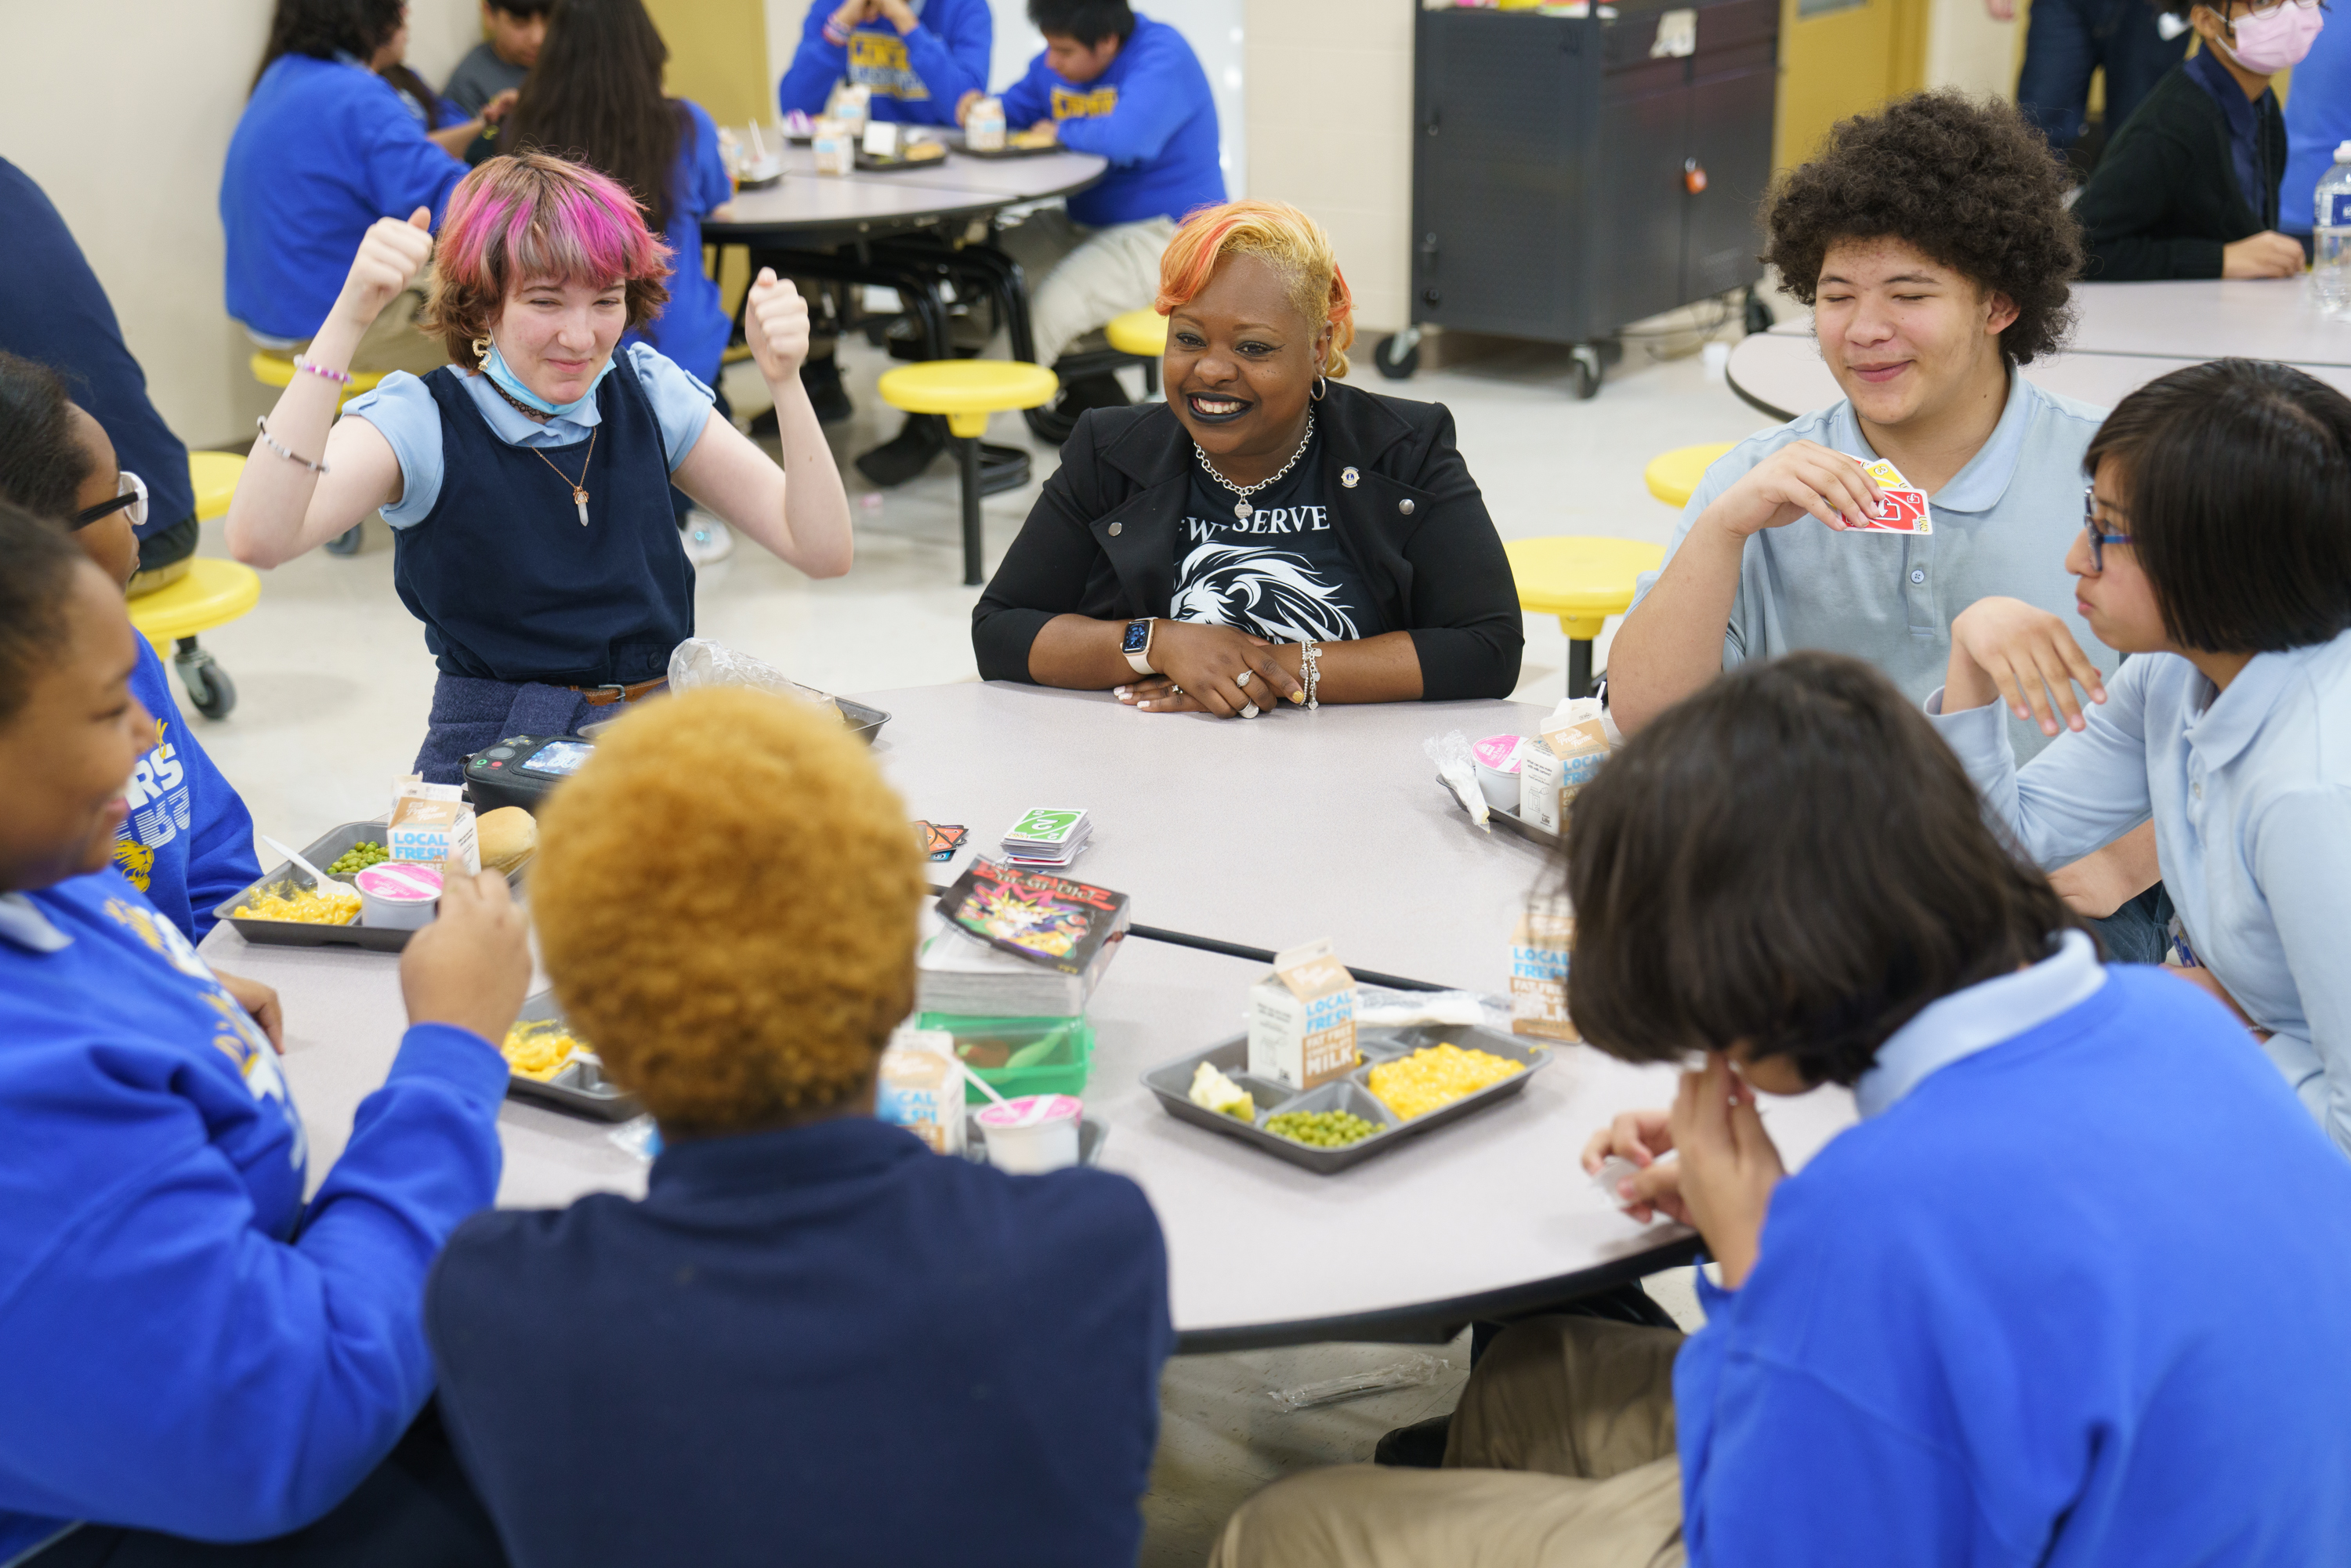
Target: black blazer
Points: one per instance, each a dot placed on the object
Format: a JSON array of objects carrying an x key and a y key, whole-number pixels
[
  {"x": 2164, "y": 198},
  {"x": 1101, "y": 541}
]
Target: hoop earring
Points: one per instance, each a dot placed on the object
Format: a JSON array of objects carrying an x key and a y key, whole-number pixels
[
  {"x": 1322, "y": 388},
  {"x": 481, "y": 353}
]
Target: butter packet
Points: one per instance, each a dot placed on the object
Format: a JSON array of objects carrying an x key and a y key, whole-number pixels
[
  {"x": 1302, "y": 1018},
  {"x": 1539, "y": 961}
]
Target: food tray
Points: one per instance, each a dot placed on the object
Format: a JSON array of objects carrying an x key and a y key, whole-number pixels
[
  {"x": 969, "y": 152},
  {"x": 322, "y": 852},
  {"x": 1172, "y": 1085},
  {"x": 1091, "y": 1136},
  {"x": 581, "y": 1087},
  {"x": 1511, "y": 823},
  {"x": 868, "y": 164}
]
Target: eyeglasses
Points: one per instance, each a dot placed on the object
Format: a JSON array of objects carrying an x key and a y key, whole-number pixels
[
  {"x": 129, "y": 490},
  {"x": 2099, "y": 541},
  {"x": 2272, "y": 7}
]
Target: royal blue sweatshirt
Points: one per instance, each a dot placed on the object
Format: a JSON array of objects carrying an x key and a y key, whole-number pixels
[
  {"x": 825, "y": 1344},
  {"x": 1150, "y": 113},
  {"x": 2076, "y": 1298},
  {"x": 694, "y": 327},
  {"x": 191, "y": 1348},
  {"x": 323, "y": 150},
  {"x": 188, "y": 843},
  {"x": 916, "y": 79}
]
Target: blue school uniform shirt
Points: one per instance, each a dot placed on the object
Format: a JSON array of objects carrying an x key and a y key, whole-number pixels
[
  {"x": 323, "y": 149},
  {"x": 2071, "y": 1293},
  {"x": 188, "y": 843},
  {"x": 693, "y": 329},
  {"x": 1150, "y": 113},
  {"x": 2318, "y": 120},
  {"x": 192, "y": 1348},
  {"x": 916, "y": 79}
]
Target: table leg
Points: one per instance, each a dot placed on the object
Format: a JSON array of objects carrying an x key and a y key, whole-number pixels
[
  {"x": 1579, "y": 667},
  {"x": 968, "y": 454}
]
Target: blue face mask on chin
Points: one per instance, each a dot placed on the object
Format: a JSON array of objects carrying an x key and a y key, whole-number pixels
[{"x": 502, "y": 374}]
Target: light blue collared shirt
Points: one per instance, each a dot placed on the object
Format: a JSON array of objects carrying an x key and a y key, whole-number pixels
[
  {"x": 403, "y": 409},
  {"x": 2251, "y": 793},
  {"x": 2002, "y": 526},
  {"x": 1979, "y": 1017},
  {"x": 22, "y": 923}
]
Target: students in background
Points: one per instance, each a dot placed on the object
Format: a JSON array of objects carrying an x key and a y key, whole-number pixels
[
  {"x": 2067, "y": 41},
  {"x": 2190, "y": 187},
  {"x": 324, "y": 149},
  {"x": 514, "y": 30},
  {"x": 2011, "y": 1316},
  {"x": 596, "y": 95},
  {"x": 448, "y": 126},
  {"x": 187, "y": 841},
  {"x": 2317, "y": 121},
  {"x": 203, "y": 1355},
  {"x": 2216, "y": 552},
  {"x": 814, "y": 1339},
  {"x": 918, "y": 57},
  {"x": 1933, "y": 242}
]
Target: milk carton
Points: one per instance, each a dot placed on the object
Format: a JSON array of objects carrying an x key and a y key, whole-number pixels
[
  {"x": 1302, "y": 1018},
  {"x": 1538, "y": 956},
  {"x": 432, "y": 823},
  {"x": 920, "y": 1088},
  {"x": 1569, "y": 752},
  {"x": 982, "y": 128},
  {"x": 852, "y": 104},
  {"x": 835, "y": 146}
]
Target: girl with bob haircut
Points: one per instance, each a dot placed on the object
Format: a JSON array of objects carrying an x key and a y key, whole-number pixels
[
  {"x": 1267, "y": 533},
  {"x": 1998, "y": 1318},
  {"x": 2215, "y": 548},
  {"x": 529, "y": 491}
]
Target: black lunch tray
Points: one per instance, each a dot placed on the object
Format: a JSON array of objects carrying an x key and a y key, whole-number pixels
[
  {"x": 322, "y": 852},
  {"x": 868, "y": 164},
  {"x": 580, "y": 1087},
  {"x": 967, "y": 151},
  {"x": 1173, "y": 1084},
  {"x": 1510, "y": 822}
]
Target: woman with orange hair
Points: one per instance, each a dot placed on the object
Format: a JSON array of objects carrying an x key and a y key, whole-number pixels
[
  {"x": 1267, "y": 535},
  {"x": 530, "y": 494}
]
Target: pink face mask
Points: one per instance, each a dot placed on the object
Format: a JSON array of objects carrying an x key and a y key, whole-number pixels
[{"x": 2276, "y": 40}]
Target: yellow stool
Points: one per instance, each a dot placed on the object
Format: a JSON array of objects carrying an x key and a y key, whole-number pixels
[
  {"x": 213, "y": 593},
  {"x": 1581, "y": 581},
  {"x": 271, "y": 369},
  {"x": 215, "y": 474},
  {"x": 1143, "y": 334},
  {"x": 967, "y": 392},
  {"x": 1673, "y": 475}
]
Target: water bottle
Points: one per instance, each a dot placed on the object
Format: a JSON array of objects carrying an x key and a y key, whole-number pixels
[{"x": 2330, "y": 262}]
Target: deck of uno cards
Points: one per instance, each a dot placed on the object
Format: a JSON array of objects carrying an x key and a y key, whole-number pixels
[
  {"x": 1905, "y": 503},
  {"x": 1048, "y": 836}
]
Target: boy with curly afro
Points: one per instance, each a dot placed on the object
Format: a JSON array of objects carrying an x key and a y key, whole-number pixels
[
  {"x": 1932, "y": 241},
  {"x": 812, "y": 1339}
]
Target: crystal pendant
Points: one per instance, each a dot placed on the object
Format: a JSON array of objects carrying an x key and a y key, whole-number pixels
[{"x": 579, "y": 499}]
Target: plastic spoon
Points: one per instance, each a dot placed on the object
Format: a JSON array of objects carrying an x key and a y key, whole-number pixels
[
  {"x": 984, "y": 1086},
  {"x": 318, "y": 879}
]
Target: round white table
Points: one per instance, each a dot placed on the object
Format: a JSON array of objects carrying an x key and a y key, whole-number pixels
[
  {"x": 2126, "y": 335},
  {"x": 1264, "y": 832},
  {"x": 805, "y": 206}
]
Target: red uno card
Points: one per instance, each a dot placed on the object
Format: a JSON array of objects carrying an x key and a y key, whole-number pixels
[{"x": 1906, "y": 505}]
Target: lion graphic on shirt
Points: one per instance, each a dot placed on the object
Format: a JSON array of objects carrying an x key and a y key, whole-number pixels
[{"x": 1271, "y": 593}]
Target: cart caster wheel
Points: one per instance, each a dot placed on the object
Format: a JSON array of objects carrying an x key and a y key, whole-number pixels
[
  {"x": 347, "y": 542},
  {"x": 1759, "y": 314},
  {"x": 1587, "y": 371},
  {"x": 1395, "y": 366},
  {"x": 210, "y": 691}
]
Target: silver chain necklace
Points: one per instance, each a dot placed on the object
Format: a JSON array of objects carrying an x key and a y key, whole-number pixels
[{"x": 1241, "y": 507}]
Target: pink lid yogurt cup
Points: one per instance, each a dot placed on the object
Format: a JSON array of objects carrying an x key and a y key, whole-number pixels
[
  {"x": 397, "y": 896},
  {"x": 1032, "y": 1133}
]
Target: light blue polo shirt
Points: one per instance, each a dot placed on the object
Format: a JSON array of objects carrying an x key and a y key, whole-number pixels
[{"x": 2002, "y": 526}]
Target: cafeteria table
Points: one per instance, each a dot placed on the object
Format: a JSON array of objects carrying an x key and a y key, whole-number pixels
[
  {"x": 1263, "y": 832},
  {"x": 805, "y": 208}
]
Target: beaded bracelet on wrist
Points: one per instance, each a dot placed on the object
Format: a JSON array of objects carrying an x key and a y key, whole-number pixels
[
  {"x": 261, "y": 427},
  {"x": 341, "y": 378}
]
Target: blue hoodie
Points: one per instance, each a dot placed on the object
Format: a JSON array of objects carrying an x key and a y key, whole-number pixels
[
  {"x": 189, "y": 840},
  {"x": 916, "y": 79},
  {"x": 694, "y": 327},
  {"x": 192, "y": 1348},
  {"x": 1150, "y": 113}
]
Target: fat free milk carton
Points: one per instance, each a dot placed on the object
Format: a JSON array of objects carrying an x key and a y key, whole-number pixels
[
  {"x": 1302, "y": 1018},
  {"x": 430, "y": 824},
  {"x": 1565, "y": 757},
  {"x": 983, "y": 129},
  {"x": 1539, "y": 959},
  {"x": 920, "y": 1088}
]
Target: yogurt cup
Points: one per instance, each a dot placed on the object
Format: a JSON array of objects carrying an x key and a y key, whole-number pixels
[
  {"x": 397, "y": 896},
  {"x": 1496, "y": 758},
  {"x": 1033, "y": 1134}
]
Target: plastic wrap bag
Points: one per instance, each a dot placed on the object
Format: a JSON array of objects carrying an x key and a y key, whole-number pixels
[
  {"x": 700, "y": 661},
  {"x": 1378, "y": 1006},
  {"x": 1414, "y": 1370},
  {"x": 1450, "y": 752}
]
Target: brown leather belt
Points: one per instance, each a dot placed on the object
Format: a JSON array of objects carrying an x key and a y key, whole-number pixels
[{"x": 606, "y": 696}]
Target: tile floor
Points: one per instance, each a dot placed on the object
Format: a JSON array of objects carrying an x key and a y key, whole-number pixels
[{"x": 334, "y": 683}]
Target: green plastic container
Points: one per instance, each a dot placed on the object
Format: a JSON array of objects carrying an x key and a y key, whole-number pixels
[{"x": 1053, "y": 1056}]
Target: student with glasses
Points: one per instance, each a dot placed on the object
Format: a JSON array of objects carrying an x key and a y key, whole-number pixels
[{"x": 2217, "y": 549}]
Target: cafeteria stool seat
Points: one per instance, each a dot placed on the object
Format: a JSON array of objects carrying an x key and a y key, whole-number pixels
[
  {"x": 1673, "y": 475},
  {"x": 216, "y": 475},
  {"x": 1583, "y": 581},
  {"x": 967, "y": 392},
  {"x": 1144, "y": 335},
  {"x": 213, "y": 593},
  {"x": 277, "y": 370}
]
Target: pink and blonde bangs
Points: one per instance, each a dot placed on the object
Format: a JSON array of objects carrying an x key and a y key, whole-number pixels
[
  {"x": 531, "y": 218},
  {"x": 1278, "y": 233}
]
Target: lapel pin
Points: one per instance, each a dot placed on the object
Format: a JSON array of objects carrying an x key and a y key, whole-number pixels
[{"x": 1348, "y": 478}]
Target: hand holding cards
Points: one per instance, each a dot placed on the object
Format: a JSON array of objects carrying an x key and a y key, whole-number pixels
[{"x": 1903, "y": 509}]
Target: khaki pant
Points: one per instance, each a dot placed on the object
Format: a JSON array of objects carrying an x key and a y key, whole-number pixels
[
  {"x": 1080, "y": 278},
  {"x": 392, "y": 341},
  {"x": 1561, "y": 1456}
]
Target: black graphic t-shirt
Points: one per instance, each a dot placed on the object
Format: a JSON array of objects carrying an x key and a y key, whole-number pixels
[{"x": 1280, "y": 573}]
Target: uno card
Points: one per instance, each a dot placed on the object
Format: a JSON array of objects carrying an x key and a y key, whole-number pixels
[
  {"x": 940, "y": 840},
  {"x": 1905, "y": 503}
]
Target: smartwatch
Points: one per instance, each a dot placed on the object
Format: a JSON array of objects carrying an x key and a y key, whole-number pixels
[{"x": 1136, "y": 646}]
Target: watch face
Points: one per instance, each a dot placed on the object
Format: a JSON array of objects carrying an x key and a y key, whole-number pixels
[{"x": 1138, "y": 637}]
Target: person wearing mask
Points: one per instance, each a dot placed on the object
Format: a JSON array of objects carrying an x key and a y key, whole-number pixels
[
  {"x": 187, "y": 841},
  {"x": 1269, "y": 535},
  {"x": 512, "y": 32},
  {"x": 209, "y": 1353},
  {"x": 1924, "y": 324},
  {"x": 596, "y": 95},
  {"x": 2003, "y": 1318},
  {"x": 2068, "y": 41},
  {"x": 2190, "y": 187}
]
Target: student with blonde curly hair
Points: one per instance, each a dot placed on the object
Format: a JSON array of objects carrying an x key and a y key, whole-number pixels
[
  {"x": 1268, "y": 533},
  {"x": 529, "y": 493},
  {"x": 812, "y": 1339}
]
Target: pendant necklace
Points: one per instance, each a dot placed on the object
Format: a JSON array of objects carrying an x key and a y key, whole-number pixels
[
  {"x": 579, "y": 487},
  {"x": 1241, "y": 507}
]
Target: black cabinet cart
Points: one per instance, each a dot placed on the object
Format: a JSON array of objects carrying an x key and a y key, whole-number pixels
[{"x": 1573, "y": 175}]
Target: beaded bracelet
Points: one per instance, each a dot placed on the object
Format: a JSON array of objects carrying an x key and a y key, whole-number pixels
[
  {"x": 1310, "y": 665},
  {"x": 341, "y": 378},
  {"x": 835, "y": 34},
  {"x": 261, "y": 427}
]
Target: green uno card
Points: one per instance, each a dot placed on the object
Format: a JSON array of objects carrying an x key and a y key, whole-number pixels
[{"x": 1046, "y": 825}]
